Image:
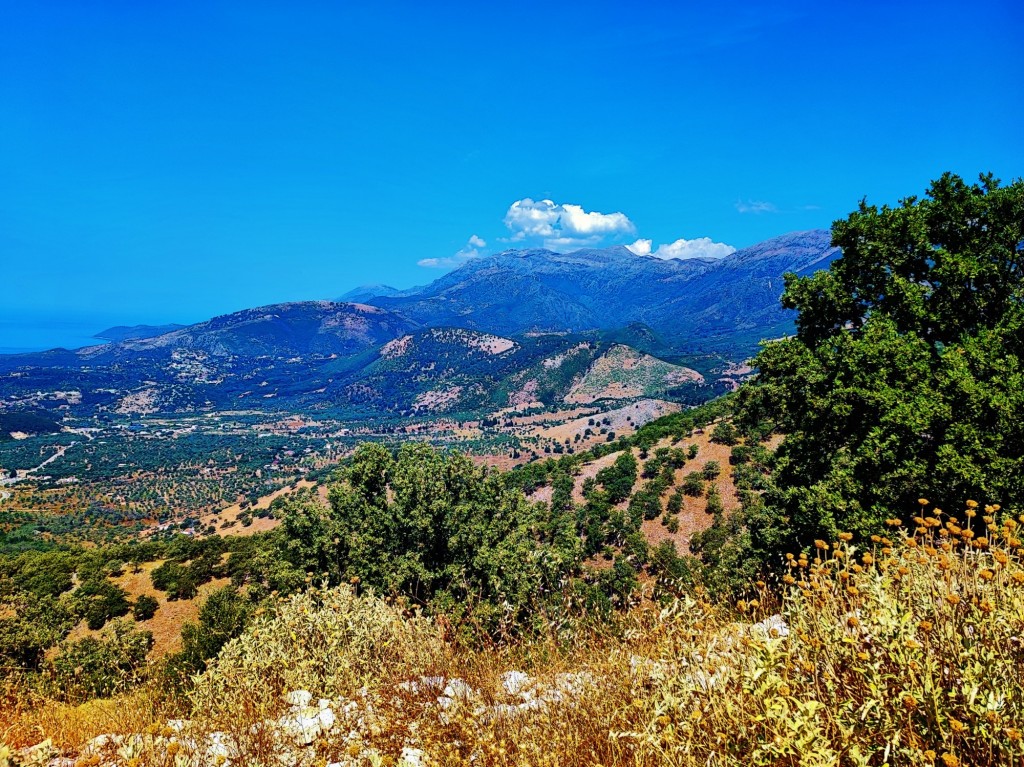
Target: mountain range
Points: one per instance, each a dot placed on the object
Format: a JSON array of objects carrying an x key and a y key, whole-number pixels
[
  {"x": 517, "y": 327},
  {"x": 692, "y": 304}
]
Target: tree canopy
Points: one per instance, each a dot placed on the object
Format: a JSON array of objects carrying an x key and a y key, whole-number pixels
[
  {"x": 905, "y": 376},
  {"x": 435, "y": 528}
]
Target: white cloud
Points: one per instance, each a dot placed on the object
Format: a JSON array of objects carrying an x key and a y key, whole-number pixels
[
  {"x": 756, "y": 206},
  {"x": 561, "y": 225},
  {"x": 468, "y": 252},
  {"x": 701, "y": 247},
  {"x": 640, "y": 247}
]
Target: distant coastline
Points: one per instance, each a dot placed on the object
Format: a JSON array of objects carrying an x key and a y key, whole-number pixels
[{"x": 22, "y": 334}]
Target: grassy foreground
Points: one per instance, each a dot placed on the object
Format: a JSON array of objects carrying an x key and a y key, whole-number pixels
[{"x": 901, "y": 651}]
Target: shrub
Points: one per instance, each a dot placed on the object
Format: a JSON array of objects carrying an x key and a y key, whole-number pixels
[
  {"x": 94, "y": 667},
  {"x": 29, "y": 626},
  {"x": 712, "y": 469},
  {"x": 619, "y": 478},
  {"x": 725, "y": 434},
  {"x": 714, "y": 504},
  {"x": 675, "y": 502},
  {"x": 223, "y": 616},
  {"x": 435, "y": 528},
  {"x": 100, "y": 600},
  {"x": 145, "y": 607},
  {"x": 693, "y": 484},
  {"x": 329, "y": 642}
]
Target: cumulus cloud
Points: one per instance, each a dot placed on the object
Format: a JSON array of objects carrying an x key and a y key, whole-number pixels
[
  {"x": 468, "y": 252},
  {"x": 640, "y": 247},
  {"x": 701, "y": 247},
  {"x": 756, "y": 206},
  {"x": 563, "y": 225}
]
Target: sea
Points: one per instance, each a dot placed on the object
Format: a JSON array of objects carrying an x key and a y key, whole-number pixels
[{"x": 23, "y": 333}]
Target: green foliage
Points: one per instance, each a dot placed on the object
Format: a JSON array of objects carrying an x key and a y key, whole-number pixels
[
  {"x": 100, "y": 600},
  {"x": 182, "y": 581},
  {"x": 672, "y": 570},
  {"x": 679, "y": 425},
  {"x": 223, "y": 616},
  {"x": 27, "y": 422},
  {"x": 711, "y": 471},
  {"x": 433, "y": 527},
  {"x": 714, "y": 504},
  {"x": 693, "y": 484},
  {"x": 675, "y": 502},
  {"x": 29, "y": 626},
  {"x": 905, "y": 377},
  {"x": 39, "y": 573},
  {"x": 740, "y": 454},
  {"x": 725, "y": 433},
  {"x": 91, "y": 667},
  {"x": 619, "y": 478},
  {"x": 145, "y": 607}
]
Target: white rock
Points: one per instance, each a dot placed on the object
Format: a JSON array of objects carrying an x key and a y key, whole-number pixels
[
  {"x": 533, "y": 704},
  {"x": 515, "y": 682},
  {"x": 102, "y": 742},
  {"x": 456, "y": 688},
  {"x": 298, "y": 698},
  {"x": 327, "y": 719},
  {"x": 302, "y": 727},
  {"x": 413, "y": 757},
  {"x": 220, "y": 745}
]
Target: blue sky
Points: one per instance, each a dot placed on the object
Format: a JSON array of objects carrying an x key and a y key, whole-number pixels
[{"x": 171, "y": 161}]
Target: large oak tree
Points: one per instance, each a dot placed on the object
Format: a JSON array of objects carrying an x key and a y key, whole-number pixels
[{"x": 905, "y": 376}]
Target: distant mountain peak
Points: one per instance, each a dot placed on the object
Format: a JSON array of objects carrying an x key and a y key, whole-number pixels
[
  {"x": 536, "y": 290},
  {"x": 365, "y": 292}
]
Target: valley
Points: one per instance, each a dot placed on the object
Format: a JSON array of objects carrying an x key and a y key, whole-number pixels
[{"x": 510, "y": 358}]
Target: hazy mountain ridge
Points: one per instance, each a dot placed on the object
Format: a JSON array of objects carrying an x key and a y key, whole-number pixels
[
  {"x": 480, "y": 337},
  {"x": 517, "y": 291},
  {"x": 129, "y": 332}
]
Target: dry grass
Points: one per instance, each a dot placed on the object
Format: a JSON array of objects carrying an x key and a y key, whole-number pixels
[
  {"x": 171, "y": 615},
  {"x": 259, "y": 524},
  {"x": 26, "y": 719}
]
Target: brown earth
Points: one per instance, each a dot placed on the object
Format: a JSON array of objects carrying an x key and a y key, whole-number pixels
[{"x": 259, "y": 525}]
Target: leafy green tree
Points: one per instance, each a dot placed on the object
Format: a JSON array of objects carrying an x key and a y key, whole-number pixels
[
  {"x": 714, "y": 504},
  {"x": 29, "y": 626},
  {"x": 905, "y": 377},
  {"x": 711, "y": 471},
  {"x": 693, "y": 484},
  {"x": 145, "y": 607},
  {"x": 725, "y": 434},
  {"x": 223, "y": 616},
  {"x": 436, "y": 528},
  {"x": 619, "y": 478},
  {"x": 675, "y": 502},
  {"x": 94, "y": 667},
  {"x": 100, "y": 600}
]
